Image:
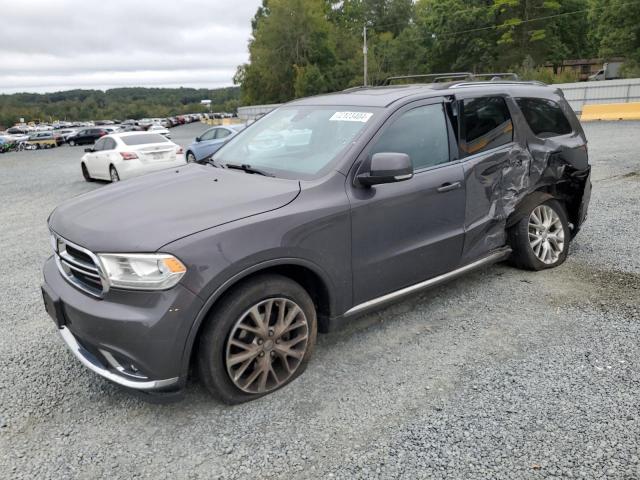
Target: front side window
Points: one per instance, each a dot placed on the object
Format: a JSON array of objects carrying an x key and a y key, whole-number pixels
[
  {"x": 99, "y": 145},
  {"x": 421, "y": 133},
  {"x": 222, "y": 133},
  {"x": 209, "y": 135},
  {"x": 298, "y": 142},
  {"x": 485, "y": 123},
  {"x": 545, "y": 117}
]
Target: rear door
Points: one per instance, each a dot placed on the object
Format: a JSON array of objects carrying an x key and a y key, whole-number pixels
[
  {"x": 487, "y": 148},
  {"x": 409, "y": 231}
]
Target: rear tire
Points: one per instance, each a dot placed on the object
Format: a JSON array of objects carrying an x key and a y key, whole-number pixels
[
  {"x": 272, "y": 321},
  {"x": 540, "y": 240},
  {"x": 113, "y": 173}
]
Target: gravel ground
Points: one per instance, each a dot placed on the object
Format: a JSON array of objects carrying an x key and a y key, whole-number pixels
[{"x": 500, "y": 374}]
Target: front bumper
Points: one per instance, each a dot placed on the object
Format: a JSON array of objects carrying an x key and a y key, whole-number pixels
[
  {"x": 133, "y": 338},
  {"x": 93, "y": 364}
]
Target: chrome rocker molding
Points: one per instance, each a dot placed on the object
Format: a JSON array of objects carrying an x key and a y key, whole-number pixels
[
  {"x": 92, "y": 364},
  {"x": 492, "y": 258}
]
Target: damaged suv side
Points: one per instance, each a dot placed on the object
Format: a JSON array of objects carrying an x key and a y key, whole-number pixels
[{"x": 323, "y": 209}]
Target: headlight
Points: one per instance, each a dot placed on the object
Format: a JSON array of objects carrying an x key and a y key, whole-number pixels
[{"x": 142, "y": 271}]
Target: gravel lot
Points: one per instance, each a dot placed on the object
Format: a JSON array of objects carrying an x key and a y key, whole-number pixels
[{"x": 500, "y": 374}]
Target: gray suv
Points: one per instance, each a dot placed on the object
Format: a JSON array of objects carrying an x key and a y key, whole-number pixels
[{"x": 323, "y": 209}]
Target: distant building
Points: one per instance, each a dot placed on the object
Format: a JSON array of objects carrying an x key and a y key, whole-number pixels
[{"x": 583, "y": 67}]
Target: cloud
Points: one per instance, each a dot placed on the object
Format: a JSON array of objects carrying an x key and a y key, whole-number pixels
[{"x": 49, "y": 46}]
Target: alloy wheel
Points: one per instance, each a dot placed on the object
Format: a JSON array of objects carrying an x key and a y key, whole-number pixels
[
  {"x": 114, "y": 175},
  {"x": 546, "y": 234},
  {"x": 267, "y": 345}
]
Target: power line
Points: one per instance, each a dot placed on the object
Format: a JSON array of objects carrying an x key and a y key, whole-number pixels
[{"x": 493, "y": 27}]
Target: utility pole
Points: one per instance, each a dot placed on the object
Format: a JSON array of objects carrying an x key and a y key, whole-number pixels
[{"x": 364, "y": 51}]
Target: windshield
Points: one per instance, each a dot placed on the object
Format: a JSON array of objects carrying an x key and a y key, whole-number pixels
[{"x": 297, "y": 141}]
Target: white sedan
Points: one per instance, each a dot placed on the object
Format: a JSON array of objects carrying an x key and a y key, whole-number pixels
[
  {"x": 159, "y": 129},
  {"x": 123, "y": 155}
]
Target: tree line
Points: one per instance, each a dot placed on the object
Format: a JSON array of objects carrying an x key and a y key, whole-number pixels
[
  {"x": 117, "y": 103},
  {"x": 306, "y": 47}
]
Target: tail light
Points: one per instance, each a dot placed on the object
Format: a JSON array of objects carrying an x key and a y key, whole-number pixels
[
  {"x": 128, "y": 155},
  {"x": 179, "y": 151}
]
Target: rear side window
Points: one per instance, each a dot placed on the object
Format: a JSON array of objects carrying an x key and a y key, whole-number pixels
[
  {"x": 144, "y": 138},
  {"x": 485, "y": 123},
  {"x": 421, "y": 133},
  {"x": 545, "y": 117}
]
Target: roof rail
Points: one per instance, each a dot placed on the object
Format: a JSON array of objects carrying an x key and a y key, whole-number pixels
[
  {"x": 461, "y": 76},
  {"x": 437, "y": 77},
  {"x": 496, "y": 82}
]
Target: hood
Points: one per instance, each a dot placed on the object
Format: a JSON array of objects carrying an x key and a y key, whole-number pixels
[{"x": 145, "y": 213}]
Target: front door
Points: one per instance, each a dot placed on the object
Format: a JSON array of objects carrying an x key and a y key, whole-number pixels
[{"x": 410, "y": 231}]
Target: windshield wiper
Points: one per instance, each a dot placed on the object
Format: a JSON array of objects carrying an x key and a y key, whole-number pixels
[
  {"x": 248, "y": 169},
  {"x": 212, "y": 162}
]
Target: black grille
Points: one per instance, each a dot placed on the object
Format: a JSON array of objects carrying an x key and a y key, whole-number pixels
[
  {"x": 79, "y": 254},
  {"x": 79, "y": 267}
]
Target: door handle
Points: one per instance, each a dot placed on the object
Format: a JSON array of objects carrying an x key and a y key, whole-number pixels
[{"x": 447, "y": 187}]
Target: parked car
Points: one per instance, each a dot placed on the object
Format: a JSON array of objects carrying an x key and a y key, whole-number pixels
[
  {"x": 159, "y": 129},
  {"x": 18, "y": 130},
  {"x": 45, "y": 139},
  {"x": 86, "y": 136},
  {"x": 210, "y": 141},
  {"x": 234, "y": 270},
  {"x": 66, "y": 132},
  {"x": 130, "y": 128},
  {"x": 124, "y": 155}
]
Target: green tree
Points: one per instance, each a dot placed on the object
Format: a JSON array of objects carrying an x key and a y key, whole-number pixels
[
  {"x": 616, "y": 31},
  {"x": 292, "y": 43}
]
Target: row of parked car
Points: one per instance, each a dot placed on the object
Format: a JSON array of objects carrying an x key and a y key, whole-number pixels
[
  {"x": 18, "y": 140},
  {"x": 31, "y": 137}
]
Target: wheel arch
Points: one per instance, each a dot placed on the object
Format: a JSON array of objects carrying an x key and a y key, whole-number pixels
[
  {"x": 307, "y": 274},
  {"x": 527, "y": 204}
]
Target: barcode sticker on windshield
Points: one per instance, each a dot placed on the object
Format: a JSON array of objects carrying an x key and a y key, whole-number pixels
[{"x": 351, "y": 117}]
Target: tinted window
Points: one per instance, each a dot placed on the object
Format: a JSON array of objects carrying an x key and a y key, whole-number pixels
[
  {"x": 485, "y": 124},
  {"x": 144, "y": 138},
  {"x": 545, "y": 118},
  {"x": 222, "y": 133},
  {"x": 421, "y": 133},
  {"x": 209, "y": 134}
]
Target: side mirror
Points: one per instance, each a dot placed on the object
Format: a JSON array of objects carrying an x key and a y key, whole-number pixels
[
  {"x": 197, "y": 139},
  {"x": 89, "y": 150},
  {"x": 387, "y": 168}
]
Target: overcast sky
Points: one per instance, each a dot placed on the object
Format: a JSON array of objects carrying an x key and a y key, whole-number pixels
[{"x": 63, "y": 44}]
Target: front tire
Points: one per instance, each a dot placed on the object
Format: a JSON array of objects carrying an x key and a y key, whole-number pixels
[
  {"x": 540, "y": 240},
  {"x": 191, "y": 158},
  {"x": 85, "y": 174},
  {"x": 259, "y": 339},
  {"x": 72, "y": 143}
]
